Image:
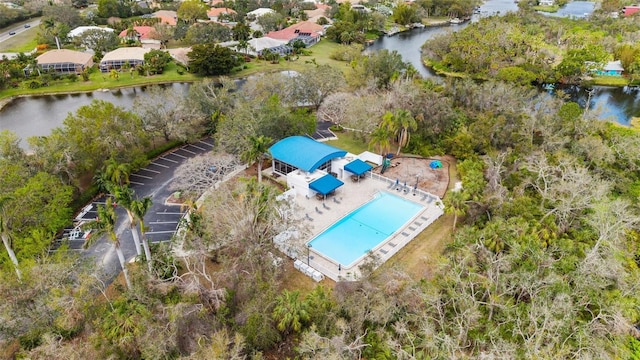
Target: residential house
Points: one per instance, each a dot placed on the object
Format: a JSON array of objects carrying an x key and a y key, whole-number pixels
[
  {"x": 116, "y": 59},
  {"x": 306, "y": 31},
  {"x": 259, "y": 12},
  {"x": 612, "y": 68},
  {"x": 630, "y": 10},
  {"x": 63, "y": 61},
  {"x": 319, "y": 12},
  {"x": 81, "y": 29},
  {"x": 214, "y": 14},
  {"x": 139, "y": 33},
  {"x": 168, "y": 17},
  {"x": 546, "y": 2}
]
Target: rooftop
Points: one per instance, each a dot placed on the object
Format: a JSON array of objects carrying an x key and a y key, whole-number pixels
[
  {"x": 64, "y": 56},
  {"x": 126, "y": 53},
  {"x": 304, "y": 153}
]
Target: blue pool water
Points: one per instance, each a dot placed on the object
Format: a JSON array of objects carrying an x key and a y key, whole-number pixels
[{"x": 364, "y": 228}]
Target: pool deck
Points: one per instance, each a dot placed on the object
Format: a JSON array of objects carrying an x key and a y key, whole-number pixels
[{"x": 317, "y": 215}]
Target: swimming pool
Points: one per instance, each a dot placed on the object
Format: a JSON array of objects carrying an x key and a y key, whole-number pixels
[{"x": 364, "y": 228}]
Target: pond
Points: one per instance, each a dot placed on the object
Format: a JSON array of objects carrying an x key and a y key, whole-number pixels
[{"x": 574, "y": 9}]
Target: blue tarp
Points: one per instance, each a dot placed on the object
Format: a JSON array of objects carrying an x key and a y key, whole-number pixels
[
  {"x": 358, "y": 167},
  {"x": 325, "y": 184},
  {"x": 435, "y": 164}
]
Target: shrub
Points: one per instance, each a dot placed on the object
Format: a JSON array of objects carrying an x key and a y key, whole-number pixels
[{"x": 35, "y": 84}]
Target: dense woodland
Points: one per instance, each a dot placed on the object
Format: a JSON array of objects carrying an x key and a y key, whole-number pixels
[
  {"x": 526, "y": 47},
  {"x": 542, "y": 260}
]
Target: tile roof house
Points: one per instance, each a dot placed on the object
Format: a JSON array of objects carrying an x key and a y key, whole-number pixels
[
  {"x": 65, "y": 61},
  {"x": 141, "y": 33},
  {"x": 306, "y": 31},
  {"x": 167, "y": 17},
  {"x": 214, "y": 13}
]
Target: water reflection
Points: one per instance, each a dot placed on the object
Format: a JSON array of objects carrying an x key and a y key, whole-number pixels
[{"x": 38, "y": 115}]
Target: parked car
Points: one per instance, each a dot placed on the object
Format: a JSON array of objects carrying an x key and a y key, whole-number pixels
[{"x": 12, "y": 32}]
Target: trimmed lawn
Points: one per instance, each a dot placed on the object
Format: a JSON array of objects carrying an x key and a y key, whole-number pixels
[
  {"x": 348, "y": 141},
  {"x": 98, "y": 80},
  {"x": 23, "y": 42},
  {"x": 317, "y": 54}
]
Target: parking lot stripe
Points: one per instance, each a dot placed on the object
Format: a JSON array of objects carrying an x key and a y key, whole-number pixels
[
  {"x": 206, "y": 143},
  {"x": 164, "y": 166},
  {"x": 142, "y": 176},
  {"x": 169, "y": 213},
  {"x": 149, "y": 170},
  {"x": 162, "y": 222},
  {"x": 169, "y": 160},
  {"x": 197, "y": 147},
  {"x": 160, "y": 232},
  {"x": 136, "y": 183},
  {"x": 178, "y": 155},
  {"x": 189, "y": 151}
]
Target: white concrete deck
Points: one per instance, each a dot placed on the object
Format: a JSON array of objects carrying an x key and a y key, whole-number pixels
[{"x": 320, "y": 214}]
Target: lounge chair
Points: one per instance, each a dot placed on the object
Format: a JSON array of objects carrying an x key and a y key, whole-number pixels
[
  {"x": 308, "y": 217},
  {"x": 318, "y": 211},
  {"x": 325, "y": 206},
  {"x": 354, "y": 178}
]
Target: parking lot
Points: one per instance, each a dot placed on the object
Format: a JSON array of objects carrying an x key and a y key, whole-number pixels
[{"x": 162, "y": 219}]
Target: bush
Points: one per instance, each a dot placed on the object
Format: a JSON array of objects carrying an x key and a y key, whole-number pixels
[
  {"x": 336, "y": 128},
  {"x": 72, "y": 77},
  {"x": 34, "y": 84}
]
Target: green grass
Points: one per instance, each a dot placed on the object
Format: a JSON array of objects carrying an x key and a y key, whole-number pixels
[
  {"x": 319, "y": 53},
  {"x": 347, "y": 140},
  {"x": 98, "y": 80},
  {"x": 548, "y": 9},
  {"x": 610, "y": 81},
  {"x": 22, "y": 42}
]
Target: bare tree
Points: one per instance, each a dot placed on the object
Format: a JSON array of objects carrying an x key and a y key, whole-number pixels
[
  {"x": 164, "y": 113},
  {"x": 200, "y": 173}
]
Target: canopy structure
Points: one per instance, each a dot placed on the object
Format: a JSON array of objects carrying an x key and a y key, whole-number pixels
[
  {"x": 435, "y": 164},
  {"x": 325, "y": 184},
  {"x": 304, "y": 153},
  {"x": 358, "y": 167}
]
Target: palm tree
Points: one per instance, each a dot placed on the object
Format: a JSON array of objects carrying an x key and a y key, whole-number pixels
[
  {"x": 105, "y": 223},
  {"x": 456, "y": 204},
  {"x": 290, "y": 312},
  {"x": 4, "y": 233},
  {"x": 124, "y": 197},
  {"x": 380, "y": 137},
  {"x": 403, "y": 121},
  {"x": 258, "y": 147},
  {"x": 139, "y": 207},
  {"x": 117, "y": 173}
]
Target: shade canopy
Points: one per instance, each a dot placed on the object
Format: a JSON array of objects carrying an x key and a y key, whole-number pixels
[
  {"x": 435, "y": 164},
  {"x": 325, "y": 184},
  {"x": 358, "y": 167}
]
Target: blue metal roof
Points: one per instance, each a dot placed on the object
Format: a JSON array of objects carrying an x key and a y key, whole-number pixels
[
  {"x": 358, "y": 167},
  {"x": 304, "y": 153},
  {"x": 325, "y": 184}
]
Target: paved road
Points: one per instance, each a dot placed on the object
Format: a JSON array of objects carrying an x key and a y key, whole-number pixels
[
  {"x": 18, "y": 29},
  {"x": 161, "y": 219}
]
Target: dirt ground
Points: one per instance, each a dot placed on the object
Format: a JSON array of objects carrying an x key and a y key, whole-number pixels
[{"x": 409, "y": 169}]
